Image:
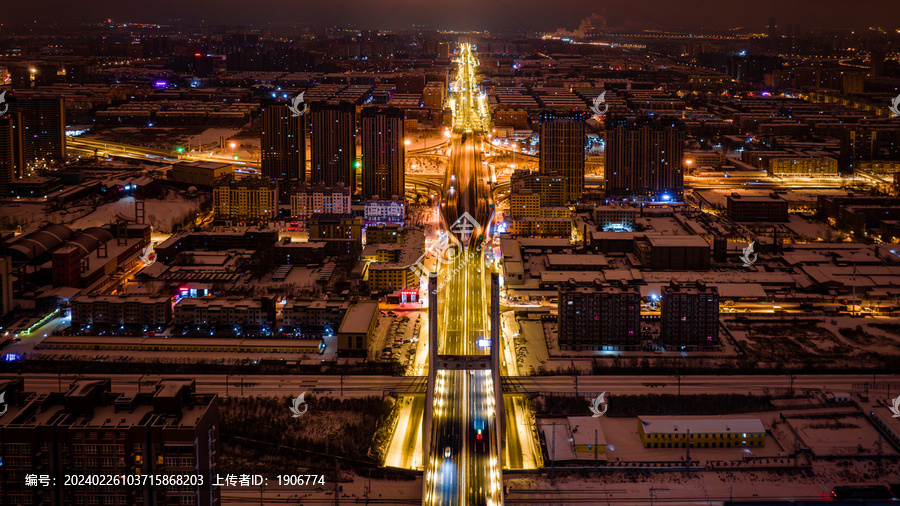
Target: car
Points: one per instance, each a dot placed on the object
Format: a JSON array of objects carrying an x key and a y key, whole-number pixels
[
  {"x": 479, "y": 436},
  {"x": 447, "y": 452}
]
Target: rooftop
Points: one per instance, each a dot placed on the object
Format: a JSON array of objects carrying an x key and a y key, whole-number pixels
[
  {"x": 699, "y": 425},
  {"x": 358, "y": 318}
]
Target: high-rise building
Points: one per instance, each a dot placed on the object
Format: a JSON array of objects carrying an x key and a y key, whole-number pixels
[
  {"x": 598, "y": 316},
  {"x": 433, "y": 96},
  {"x": 690, "y": 316},
  {"x": 862, "y": 143},
  {"x": 773, "y": 35},
  {"x": 6, "y": 285},
  {"x": 283, "y": 144},
  {"x": 536, "y": 205},
  {"x": 248, "y": 199},
  {"x": 411, "y": 82},
  {"x": 333, "y": 141},
  {"x": 644, "y": 157},
  {"x": 562, "y": 148},
  {"x": 877, "y": 59},
  {"x": 550, "y": 187},
  {"x": 383, "y": 153},
  {"x": 43, "y": 121},
  {"x": 12, "y": 163}
]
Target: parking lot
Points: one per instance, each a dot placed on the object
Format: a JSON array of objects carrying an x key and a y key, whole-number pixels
[{"x": 397, "y": 336}]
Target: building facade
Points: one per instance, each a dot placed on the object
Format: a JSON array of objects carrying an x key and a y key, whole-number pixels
[
  {"x": 699, "y": 432},
  {"x": 43, "y": 129},
  {"x": 248, "y": 199},
  {"x": 333, "y": 144},
  {"x": 282, "y": 143},
  {"x": 383, "y": 153},
  {"x": 90, "y": 429},
  {"x": 393, "y": 264},
  {"x": 672, "y": 252},
  {"x": 753, "y": 209},
  {"x": 357, "y": 328},
  {"x": 690, "y": 316},
  {"x": 307, "y": 200},
  {"x": 12, "y": 161},
  {"x": 550, "y": 187},
  {"x": 598, "y": 317},
  {"x": 113, "y": 310},
  {"x": 341, "y": 233},
  {"x": 615, "y": 217},
  {"x": 208, "y": 312},
  {"x": 644, "y": 158},
  {"x": 381, "y": 211},
  {"x": 562, "y": 148}
]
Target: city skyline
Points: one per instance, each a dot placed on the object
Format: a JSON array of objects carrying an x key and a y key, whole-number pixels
[
  {"x": 317, "y": 263},
  {"x": 471, "y": 15}
]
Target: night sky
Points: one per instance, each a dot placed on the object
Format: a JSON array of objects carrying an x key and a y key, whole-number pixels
[{"x": 473, "y": 14}]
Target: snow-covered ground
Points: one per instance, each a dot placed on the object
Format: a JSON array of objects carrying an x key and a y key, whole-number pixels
[{"x": 161, "y": 214}]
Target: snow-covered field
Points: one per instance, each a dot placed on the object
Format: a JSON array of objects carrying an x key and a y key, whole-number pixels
[{"x": 161, "y": 214}]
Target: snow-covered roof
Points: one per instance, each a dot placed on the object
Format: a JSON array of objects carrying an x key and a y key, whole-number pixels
[
  {"x": 699, "y": 425},
  {"x": 583, "y": 430}
]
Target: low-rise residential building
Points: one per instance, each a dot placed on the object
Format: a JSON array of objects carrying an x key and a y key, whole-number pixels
[
  {"x": 385, "y": 210},
  {"x": 115, "y": 310},
  {"x": 540, "y": 226},
  {"x": 615, "y": 218},
  {"x": 701, "y": 432},
  {"x": 308, "y": 314},
  {"x": 393, "y": 266},
  {"x": 697, "y": 159},
  {"x": 307, "y": 200},
  {"x": 341, "y": 233},
  {"x": 229, "y": 311},
  {"x": 384, "y": 233},
  {"x": 249, "y": 199}
]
